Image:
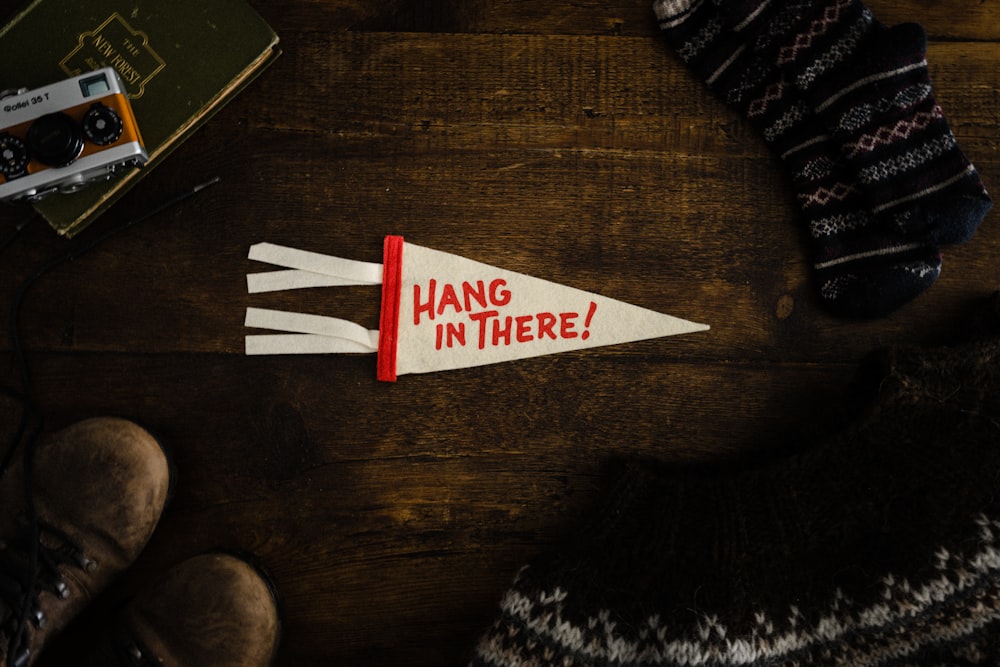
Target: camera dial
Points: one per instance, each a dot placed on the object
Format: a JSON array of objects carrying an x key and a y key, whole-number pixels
[
  {"x": 102, "y": 125},
  {"x": 13, "y": 156},
  {"x": 55, "y": 139}
]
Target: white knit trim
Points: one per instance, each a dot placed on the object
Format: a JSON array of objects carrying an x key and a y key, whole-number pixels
[
  {"x": 881, "y": 252},
  {"x": 754, "y": 14},
  {"x": 722, "y": 68},
  {"x": 805, "y": 144},
  {"x": 934, "y": 188},
  {"x": 866, "y": 80}
]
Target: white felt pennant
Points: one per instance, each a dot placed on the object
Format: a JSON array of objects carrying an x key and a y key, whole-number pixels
[
  {"x": 441, "y": 311},
  {"x": 456, "y": 313}
]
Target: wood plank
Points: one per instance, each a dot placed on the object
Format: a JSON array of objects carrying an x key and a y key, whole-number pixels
[
  {"x": 973, "y": 21},
  {"x": 965, "y": 20},
  {"x": 549, "y": 92}
]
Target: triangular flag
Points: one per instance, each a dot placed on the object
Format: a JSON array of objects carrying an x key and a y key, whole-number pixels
[
  {"x": 454, "y": 312},
  {"x": 441, "y": 311}
]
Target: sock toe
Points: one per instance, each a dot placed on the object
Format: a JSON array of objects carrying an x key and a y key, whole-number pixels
[
  {"x": 956, "y": 220},
  {"x": 871, "y": 289}
]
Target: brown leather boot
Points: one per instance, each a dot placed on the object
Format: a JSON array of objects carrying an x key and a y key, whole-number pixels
[
  {"x": 98, "y": 489},
  {"x": 213, "y": 610}
]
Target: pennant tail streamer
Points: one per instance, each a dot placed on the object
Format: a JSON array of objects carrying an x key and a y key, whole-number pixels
[
  {"x": 311, "y": 334},
  {"x": 304, "y": 333},
  {"x": 307, "y": 269}
]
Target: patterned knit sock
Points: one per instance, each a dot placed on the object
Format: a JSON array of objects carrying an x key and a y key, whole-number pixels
[
  {"x": 877, "y": 546},
  {"x": 871, "y": 88},
  {"x": 864, "y": 265}
]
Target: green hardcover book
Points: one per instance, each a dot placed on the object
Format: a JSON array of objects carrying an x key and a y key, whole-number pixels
[{"x": 180, "y": 60}]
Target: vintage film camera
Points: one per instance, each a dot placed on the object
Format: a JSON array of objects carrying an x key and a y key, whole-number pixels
[{"x": 63, "y": 136}]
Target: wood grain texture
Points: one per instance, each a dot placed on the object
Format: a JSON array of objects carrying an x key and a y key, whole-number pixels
[{"x": 563, "y": 141}]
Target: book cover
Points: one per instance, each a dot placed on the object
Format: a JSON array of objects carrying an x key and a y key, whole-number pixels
[{"x": 180, "y": 60}]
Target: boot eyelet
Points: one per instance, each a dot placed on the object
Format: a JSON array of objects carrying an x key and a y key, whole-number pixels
[{"x": 86, "y": 564}]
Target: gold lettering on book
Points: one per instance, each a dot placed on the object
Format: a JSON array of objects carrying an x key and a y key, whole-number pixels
[{"x": 116, "y": 44}]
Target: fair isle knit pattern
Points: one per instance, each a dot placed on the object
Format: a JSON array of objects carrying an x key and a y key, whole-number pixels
[
  {"x": 952, "y": 618},
  {"x": 871, "y": 88},
  {"x": 878, "y": 546},
  {"x": 967, "y": 590},
  {"x": 864, "y": 265}
]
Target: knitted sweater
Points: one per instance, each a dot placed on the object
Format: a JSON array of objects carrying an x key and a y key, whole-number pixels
[{"x": 877, "y": 546}]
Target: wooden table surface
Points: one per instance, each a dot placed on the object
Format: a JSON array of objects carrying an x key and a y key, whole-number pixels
[{"x": 561, "y": 140}]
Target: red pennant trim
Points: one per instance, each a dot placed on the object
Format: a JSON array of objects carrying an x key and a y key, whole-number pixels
[{"x": 392, "y": 286}]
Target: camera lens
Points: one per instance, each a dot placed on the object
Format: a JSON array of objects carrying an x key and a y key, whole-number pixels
[
  {"x": 55, "y": 139},
  {"x": 13, "y": 156},
  {"x": 102, "y": 125}
]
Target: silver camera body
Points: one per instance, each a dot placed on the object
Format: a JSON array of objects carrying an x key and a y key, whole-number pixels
[{"x": 64, "y": 136}]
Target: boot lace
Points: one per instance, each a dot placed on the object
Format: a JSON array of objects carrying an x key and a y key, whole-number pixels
[{"x": 28, "y": 569}]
